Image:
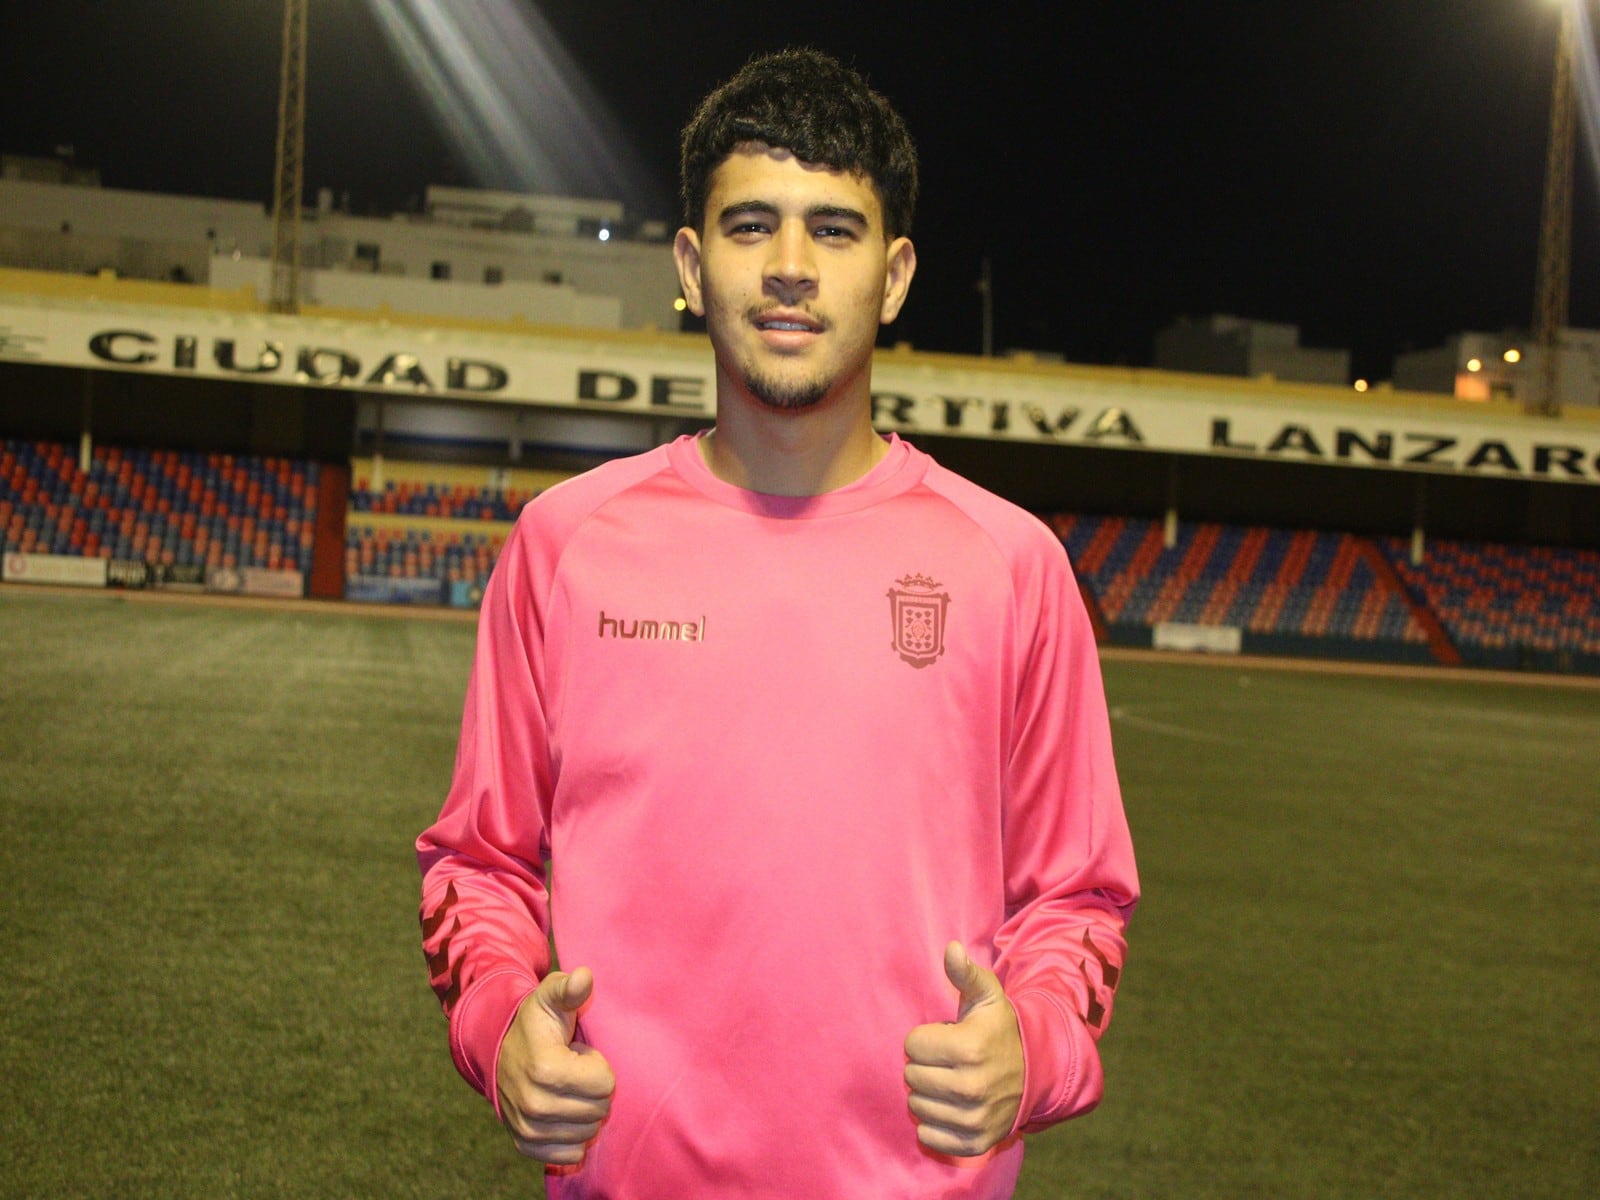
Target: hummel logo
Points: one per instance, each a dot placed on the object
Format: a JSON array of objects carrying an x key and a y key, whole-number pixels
[{"x": 662, "y": 631}]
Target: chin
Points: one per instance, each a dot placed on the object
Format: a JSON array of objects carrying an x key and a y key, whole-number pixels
[{"x": 786, "y": 396}]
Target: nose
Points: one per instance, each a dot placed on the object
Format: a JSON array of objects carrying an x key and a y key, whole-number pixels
[{"x": 792, "y": 264}]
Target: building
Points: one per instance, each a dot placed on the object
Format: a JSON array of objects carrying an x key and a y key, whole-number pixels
[
  {"x": 1504, "y": 366},
  {"x": 548, "y": 260},
  {"x": 1228, "y": 345}
]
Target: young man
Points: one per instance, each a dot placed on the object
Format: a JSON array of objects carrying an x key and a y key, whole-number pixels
[{"x": 811, "y": 733}]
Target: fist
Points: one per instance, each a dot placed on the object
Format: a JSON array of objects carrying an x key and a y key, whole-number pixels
[
  {"x": 965, "y": 1076},
  {"x": 553, "y": 1094}
]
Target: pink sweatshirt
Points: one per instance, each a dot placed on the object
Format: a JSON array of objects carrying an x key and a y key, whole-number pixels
[{"x": 779, "y": 752}]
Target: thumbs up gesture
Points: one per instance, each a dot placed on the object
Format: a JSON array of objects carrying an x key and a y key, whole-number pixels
[
  {"x": 966, "y": 1076},
  {"x": 553, "y": 1094}
]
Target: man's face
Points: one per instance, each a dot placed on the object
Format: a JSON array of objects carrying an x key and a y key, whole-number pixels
[{"x": 793, "y": 275}]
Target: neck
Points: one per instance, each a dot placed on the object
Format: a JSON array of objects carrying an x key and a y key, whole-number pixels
[{"x": 803, "y": 453}]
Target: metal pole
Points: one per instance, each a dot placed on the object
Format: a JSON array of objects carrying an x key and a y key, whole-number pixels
[
  {"x": 1555, "y": 229},
  {"x": 289, "y": 185}
]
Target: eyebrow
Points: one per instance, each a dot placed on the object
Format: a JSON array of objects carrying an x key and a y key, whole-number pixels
[{"x": 831, "y": 212}]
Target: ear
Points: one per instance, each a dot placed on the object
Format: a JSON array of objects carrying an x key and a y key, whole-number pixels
[
  {"x": 901, "y": 266},
  {"x": 686, "y": 253}
]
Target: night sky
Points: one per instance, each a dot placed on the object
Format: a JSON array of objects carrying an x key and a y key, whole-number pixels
[{"x": 1369, "y": 170}]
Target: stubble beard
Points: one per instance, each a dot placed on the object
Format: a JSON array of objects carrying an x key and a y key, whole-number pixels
[{"x": 788, "y": 395}]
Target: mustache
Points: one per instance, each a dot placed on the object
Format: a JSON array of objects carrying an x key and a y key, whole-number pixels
[{"x": 761, "y": 312}]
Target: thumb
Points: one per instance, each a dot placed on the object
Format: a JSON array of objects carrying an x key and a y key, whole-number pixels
[
  {"x": 976, "y": 984},
  {"x": 562, "y": 994}
]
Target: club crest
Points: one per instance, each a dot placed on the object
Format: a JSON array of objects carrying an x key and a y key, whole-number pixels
[{"x": 917, "y": 607}]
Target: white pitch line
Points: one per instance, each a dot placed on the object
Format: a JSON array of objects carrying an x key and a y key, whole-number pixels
[{"x": 1120, "y": 713}]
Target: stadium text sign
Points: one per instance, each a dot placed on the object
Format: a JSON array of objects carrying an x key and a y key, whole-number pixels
[
  {"x": 944, "y": 395},
  {"x": 1374, "y": 445},
  {"x": 327, "y": 366}
]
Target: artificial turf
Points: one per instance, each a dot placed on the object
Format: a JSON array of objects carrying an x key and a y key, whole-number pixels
[{"x": 1365, "y": 965}]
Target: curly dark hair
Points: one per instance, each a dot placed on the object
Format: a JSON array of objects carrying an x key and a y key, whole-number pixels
[{"x": 818, "y": 109}]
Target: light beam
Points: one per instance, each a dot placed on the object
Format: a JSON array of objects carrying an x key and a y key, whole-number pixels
[
  {"x": 1586, "y": 79},
  {"x": 515, "y": 106}
]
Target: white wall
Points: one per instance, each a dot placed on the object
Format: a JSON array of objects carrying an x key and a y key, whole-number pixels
[{"x": 567, "y": 278}]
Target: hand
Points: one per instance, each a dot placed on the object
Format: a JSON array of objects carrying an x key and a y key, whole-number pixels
[
  {"x": 553, "y": 1094},
  {"x": 966, "y": 1077}
]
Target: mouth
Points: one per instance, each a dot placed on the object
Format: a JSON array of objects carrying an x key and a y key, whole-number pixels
[{"x": 786, "y": 321}]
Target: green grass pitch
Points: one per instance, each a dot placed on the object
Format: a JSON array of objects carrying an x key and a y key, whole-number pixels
[{"x": 1367, "y": 964}]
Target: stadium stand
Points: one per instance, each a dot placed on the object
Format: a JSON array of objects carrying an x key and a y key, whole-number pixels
[
  {"x": 158, "y": 507},
  {"x": 430, "y": 532},
  {"x": 1296, "y": 584},
  {"x": 418, "y": 557},
  {"x": 434, "y": 499},
  {"x": 1504, "y": 605}
]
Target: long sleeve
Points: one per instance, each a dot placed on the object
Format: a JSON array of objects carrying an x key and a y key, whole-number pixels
[
  {"x": 485, "y": 903},
  {"x": 1070, "y": 876}
]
